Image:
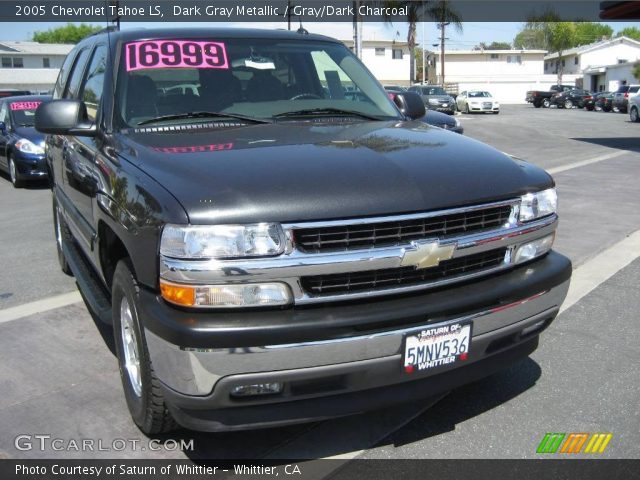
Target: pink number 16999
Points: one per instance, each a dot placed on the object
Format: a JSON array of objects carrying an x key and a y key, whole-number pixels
[{"x": 175, "y": 54}]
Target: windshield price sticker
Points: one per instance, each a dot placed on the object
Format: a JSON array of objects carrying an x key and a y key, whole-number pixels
[
  {"x": 175, "y": 54},
  {"x": 24, "y": 105},
  {"x": 436, "y": 346}
]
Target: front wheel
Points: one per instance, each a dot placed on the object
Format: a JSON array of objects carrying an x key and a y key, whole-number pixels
[
  {"x": 141, "y": 387},
  {"x": 13, "y": 174},
  {"x": 546, "y": 103},
  {"x": 568, "y": 104},
  {"x": 633, "y": 114},
  {"x": 466, "y": 109}
]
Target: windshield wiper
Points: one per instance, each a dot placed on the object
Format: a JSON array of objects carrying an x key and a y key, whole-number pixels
[
  {"x": 310, "y": 112},
  {"x": 181, "y": 116}
]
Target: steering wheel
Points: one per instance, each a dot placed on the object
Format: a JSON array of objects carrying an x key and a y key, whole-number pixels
[{"x": 301, "y": 96}]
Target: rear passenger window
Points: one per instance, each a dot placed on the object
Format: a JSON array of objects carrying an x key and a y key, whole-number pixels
[
  {"x": 73, "y": 85},
  {"x": 93, "y": 85}
]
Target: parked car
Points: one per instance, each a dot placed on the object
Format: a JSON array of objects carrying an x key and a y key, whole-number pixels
[
  {"x": 591, "y": 102},
  {"x": 541, "y": 98},
  {"x": 622, "y": 95},
  {"x": 570, "y": 98},
  {"x": 437, "y": 119},
  {"x": 9, "y": 92},
  {"x": 269, "y": 255},
  {"x": 21, "y": 146},
  {"x": 435, "y": 98},
  {"x": 634, "y": 108},
  {"x": 477, "y": 101},
  {"x": 604, "y": 102},
  {"x": 395, "y": 88}
]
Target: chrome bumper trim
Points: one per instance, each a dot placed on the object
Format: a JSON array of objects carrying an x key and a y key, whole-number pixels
[
  {"x": 290, "y": 267},
  {"x": 196, "y": 371}
]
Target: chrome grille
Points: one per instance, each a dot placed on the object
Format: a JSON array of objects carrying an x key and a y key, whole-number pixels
[
  {"x": 373, "y": 280},
  {"x": 382, "y": 234}
]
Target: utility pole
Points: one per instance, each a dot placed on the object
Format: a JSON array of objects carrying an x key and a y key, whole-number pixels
[
  {"x": 442, "y": 26},
  {"x": 357, "y": 30},
  {"x": 424, "y": 42},
  {"x": 288, "y": 14}
]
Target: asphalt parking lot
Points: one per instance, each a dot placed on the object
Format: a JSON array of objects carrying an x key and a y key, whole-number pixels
[{"x": 59, "y": 375}]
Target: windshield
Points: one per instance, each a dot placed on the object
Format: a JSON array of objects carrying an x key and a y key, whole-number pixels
[
  {"x": 259, "y": 78},
  {"x": 24, "y": 113},
  {"x": 433, "y": 91},
  {"x": 479, "y": 94}
]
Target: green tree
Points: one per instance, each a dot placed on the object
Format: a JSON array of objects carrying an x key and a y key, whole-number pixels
[
  {"x": 69, "y": 33},
  {"x": 530, "y": 39},
  {"x": 631, "y": 32},
  {"x": 493, "y": 46},
  {"x": 589, "y": 32},
  {"x": 417, "y": 11},
  {"x": 558, "y": 36}
]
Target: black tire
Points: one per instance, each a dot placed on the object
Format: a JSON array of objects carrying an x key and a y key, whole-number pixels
[
  {"x": 62, "y": 233},
  {"x": 144, "y": 398},
  {"x": 590, "y": 108},
  {"x": 496, "y": 112},
  {"x": 634, "y": 116},
  {"x": 546, "y": 103},
  {"x": 13, "y": 173},
  {"x": 466, "y": 109},
  {"x": 537, "y": 104}
]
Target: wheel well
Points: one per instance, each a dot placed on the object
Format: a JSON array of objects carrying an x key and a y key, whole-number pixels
[{"x": 112, "y": 250}]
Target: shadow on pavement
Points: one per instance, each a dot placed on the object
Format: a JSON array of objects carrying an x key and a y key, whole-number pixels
[
  {"x": 621, "y": 143},
  {"x": 467, "y": 402}
]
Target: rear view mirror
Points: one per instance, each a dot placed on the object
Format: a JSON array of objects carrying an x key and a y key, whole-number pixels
[
  {"x": 64, "y": 117},
  {"x": 410, "y": 104}
]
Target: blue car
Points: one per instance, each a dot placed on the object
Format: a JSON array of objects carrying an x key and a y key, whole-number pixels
[{"x": 21, "y": 146}]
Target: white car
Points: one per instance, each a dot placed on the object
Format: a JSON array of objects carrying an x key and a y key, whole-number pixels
[
  {"x": 477, "y": 101},
  {"x": 634, "y": 108}
]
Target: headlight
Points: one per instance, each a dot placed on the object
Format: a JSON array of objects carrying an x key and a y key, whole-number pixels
[
  {"x": 271, "y": 294},
  {"x": 534, "y": 249},
  {"x": 496, "y": 104},
  {"x": 222, "y": 241},
  {"x": 538, "y": 204},
  {"x": 27, "y": 146}
]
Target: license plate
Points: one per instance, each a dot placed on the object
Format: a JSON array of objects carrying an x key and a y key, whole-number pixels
[{"x": 436, "y": 346}]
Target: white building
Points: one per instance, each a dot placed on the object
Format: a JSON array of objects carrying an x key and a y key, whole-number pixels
[
  {"x": 507, "y": 74},
  {"x": 606, "y": 52},
  {"x": 30, "y": 65},
  {"x": 609, "y": 77},
  {"x": 388, "y": 60}
]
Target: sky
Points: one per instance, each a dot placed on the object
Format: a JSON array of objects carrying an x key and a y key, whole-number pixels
[{"x": 473, "y": 32}]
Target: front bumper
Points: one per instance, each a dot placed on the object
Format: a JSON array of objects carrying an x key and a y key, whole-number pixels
[
  {"x": 476, "y": 108},
  {"x": 338, "y": 350},
  {"x": 29, "y": 166}
]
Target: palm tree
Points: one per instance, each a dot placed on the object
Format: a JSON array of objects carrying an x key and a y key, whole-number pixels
[{"x": 417, "y": 11}]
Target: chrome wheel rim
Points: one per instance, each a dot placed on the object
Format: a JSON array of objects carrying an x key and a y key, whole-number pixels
[
  {"x": 12, "y": 171},
  {"x": 568, "y": 104},
  {"x": 130, "y": 347}
]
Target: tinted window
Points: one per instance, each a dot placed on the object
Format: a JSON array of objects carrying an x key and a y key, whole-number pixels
[
  {"x": 76, "y": 75},
  {"x": 4, "y": 114},
  {"x": 92, "y": 89},
  {"x": 63, "y": 75}
]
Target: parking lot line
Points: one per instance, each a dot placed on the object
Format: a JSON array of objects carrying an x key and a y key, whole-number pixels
[
  {"x": 589, "y": 161},
  {"x": 39, "y": 306},
  {"x": 602, "y": 267}
]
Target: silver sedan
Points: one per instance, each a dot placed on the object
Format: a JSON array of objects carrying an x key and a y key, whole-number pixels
[{"x": 477, "y": 101}]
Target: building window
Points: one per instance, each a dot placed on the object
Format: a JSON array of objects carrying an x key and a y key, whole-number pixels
[
  {"x": 495, "y": 56},
  {"x": 575, "y": 60},
  {"x": 396, "y": 54},
  {"x": 6, "y": 62},
  {"x": 622, "y": 60},
  {"x": 380, "y": 51},
  {"x": 514, "y": 59},
  {"x": 17, "y": 62},
  {"x": 46, "y": 63}
]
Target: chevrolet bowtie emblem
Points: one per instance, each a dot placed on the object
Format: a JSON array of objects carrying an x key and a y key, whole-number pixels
[{"x": 425, "y": 255}]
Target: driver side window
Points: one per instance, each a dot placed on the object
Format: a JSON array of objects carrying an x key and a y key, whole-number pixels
[{"x": 4, "y": 114}]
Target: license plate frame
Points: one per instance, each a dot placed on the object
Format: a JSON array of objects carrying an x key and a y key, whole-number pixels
[{"x": 431, "y": 336}]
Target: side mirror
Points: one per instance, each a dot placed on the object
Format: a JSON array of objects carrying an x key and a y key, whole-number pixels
[
  {"x": 410, "y": 104},
  {"x": 64, "y": 117},
  {"x": 3, "y": 128}
]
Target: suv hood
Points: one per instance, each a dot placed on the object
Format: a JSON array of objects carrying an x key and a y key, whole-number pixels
[{"x": 297, "y": 171}]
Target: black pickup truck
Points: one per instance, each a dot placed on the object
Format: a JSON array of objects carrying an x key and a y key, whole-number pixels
[
  {"x": 275, "y": 240},
  {"x": 543, "y": 99}
]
